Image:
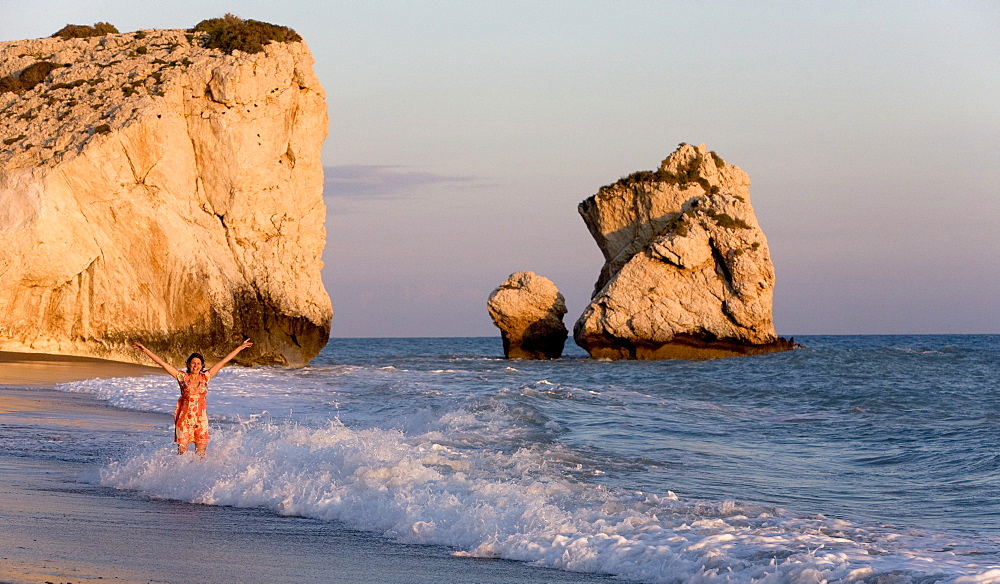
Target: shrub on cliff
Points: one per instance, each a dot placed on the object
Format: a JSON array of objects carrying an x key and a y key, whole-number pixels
[
  {"x": 727, "y": 221},
  {"x": 36, "y": 73},
  {"x": 231, "y": 33},
  {"x": 8, "y": 84},
  {"x": 683, "y": 175},
  {"x": 30, "y": 76},
  {"x": 645, "y": 176},
  {"x": 82, "y": 31}
]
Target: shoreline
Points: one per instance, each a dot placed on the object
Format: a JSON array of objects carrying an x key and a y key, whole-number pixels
[
  {"x": 61, "y": 526},
  {"x": 45, "y": 370}
]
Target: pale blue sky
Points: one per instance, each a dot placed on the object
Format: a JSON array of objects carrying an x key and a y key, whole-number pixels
[{"x": 464, "y": 134}]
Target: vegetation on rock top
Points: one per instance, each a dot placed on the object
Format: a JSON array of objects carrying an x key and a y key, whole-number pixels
[
  {"x": 82, "y": 31},
  {"x": 683, "y": 175},
  {"x": 231, "y": 33},
  {"x": 37, "y": 95}
]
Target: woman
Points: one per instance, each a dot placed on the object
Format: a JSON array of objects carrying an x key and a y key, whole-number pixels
[{"x": 191, "y": 414}]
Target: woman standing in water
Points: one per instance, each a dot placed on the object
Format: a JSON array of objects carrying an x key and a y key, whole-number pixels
[{"x": 191, "y": 413}]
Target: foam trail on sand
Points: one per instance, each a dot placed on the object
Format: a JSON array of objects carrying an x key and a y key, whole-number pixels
[{"x": 527, "y": 504}]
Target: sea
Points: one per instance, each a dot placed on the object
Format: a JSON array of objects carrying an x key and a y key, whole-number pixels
[{"x": 862, "y": 459}]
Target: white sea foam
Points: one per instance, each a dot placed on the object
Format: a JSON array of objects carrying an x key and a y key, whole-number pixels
[
  {"x": 235, "y": 394},
  {"x": 527, "y": 505}
]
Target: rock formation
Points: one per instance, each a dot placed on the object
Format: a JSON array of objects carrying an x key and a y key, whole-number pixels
[
  {"x": 688, "y": 273},
  {"x": 528, "y": 310},
  {"x": 154, "y": 190}
]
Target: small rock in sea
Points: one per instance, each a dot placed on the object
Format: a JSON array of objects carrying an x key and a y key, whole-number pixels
[{"x": 528, "y": 309}]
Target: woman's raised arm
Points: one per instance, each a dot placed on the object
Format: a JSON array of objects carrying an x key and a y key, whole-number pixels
[
  {"x": 166, "y": 366},
  {"x": 218, "y": 366}
]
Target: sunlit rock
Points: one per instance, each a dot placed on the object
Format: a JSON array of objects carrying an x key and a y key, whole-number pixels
[
  {"x": 528, "y": 310},
  {"x": 155, "y": 190},
  {"x": 687, "y": 272}
]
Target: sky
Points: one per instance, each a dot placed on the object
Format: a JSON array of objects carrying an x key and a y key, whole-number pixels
[{"x": 463, "y": 135}]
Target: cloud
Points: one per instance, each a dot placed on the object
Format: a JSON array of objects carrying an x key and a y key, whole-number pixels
[{"x": 382, "y": 181}]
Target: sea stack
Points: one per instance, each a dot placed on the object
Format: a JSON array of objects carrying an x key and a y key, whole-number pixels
[
  {"x": 528, "y": 310},
  {"x": 153, "y": 189},
  {"x": 687, "y": 270}
]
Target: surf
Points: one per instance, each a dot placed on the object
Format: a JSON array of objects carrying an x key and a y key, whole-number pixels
[{"x": 528, "y": 505}]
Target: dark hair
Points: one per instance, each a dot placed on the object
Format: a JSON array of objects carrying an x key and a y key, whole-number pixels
[{"x": 195, "y": 356}]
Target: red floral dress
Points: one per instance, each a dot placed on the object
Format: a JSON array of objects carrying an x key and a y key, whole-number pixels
[{"x": 191, "y": 413}]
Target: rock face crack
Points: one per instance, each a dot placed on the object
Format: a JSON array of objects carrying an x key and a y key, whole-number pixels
[
  {"x": 722, "y": 268},
  {"x": 137, "y": 174},
  {"x": 209, "y": 95}
]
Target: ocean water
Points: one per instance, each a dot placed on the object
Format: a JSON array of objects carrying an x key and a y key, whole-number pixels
[{"x": 854, "y": 459}]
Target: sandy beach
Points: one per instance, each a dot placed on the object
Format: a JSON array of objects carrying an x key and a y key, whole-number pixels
[{"x": 59, "y": 525}]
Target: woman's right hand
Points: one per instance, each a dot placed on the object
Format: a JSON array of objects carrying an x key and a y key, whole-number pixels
[{"x": 138, "y": 347}]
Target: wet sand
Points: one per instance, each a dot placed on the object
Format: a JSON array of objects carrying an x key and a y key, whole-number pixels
[{"x": 58, "y": 525}]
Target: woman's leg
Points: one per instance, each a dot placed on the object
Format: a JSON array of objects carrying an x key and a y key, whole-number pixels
[
  {"x": 182, "y": 448},
  {"x": 200, "y": 447}
]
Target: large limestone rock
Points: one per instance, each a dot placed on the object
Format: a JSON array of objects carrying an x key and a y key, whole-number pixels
[
  {"x": 155, "y": 190},
  {"x": 688, "y": 273},
  {"x": 528, "y": 310}
]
